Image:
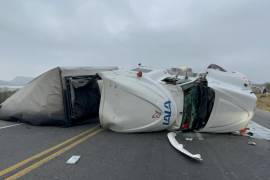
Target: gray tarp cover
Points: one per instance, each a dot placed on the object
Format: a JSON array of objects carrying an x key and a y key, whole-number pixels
[{"x": 41, "y": 101}]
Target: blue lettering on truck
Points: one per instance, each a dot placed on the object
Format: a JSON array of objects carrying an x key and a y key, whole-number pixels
[{"x": 167, "y": 113}]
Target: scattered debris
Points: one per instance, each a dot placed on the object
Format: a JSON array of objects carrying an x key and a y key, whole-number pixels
[
  {"x": 192, "y": 135},
  {"x": 250, "y": 133},
  {"x": 180, "y": 147},
  {"x": 252, "y": 143},
  {"x": 259, "y": 131},
  {"x": 255, "y": 130},
  {"x": 199, "y": 136},
  {"x": 244, "y": 131},
  {"x": 73, "y": 160},
  {"x": 188, "y": 139}
]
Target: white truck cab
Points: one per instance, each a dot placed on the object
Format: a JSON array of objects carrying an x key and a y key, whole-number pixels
[{"x": 156, "y": 100}]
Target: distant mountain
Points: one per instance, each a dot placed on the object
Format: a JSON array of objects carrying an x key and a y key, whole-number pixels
[
  {"x": 20, "y": 80},
  {"x": 17, "y": 81},
  {"x": 3, "y": 82}
]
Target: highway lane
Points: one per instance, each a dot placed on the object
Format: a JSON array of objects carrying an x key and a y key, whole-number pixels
[
  {"x": 110, "y": 155},
  {"x": 20, "y": 142},
  {"x": 262, "y": 118},
  {"x": 149, "y": 156}
]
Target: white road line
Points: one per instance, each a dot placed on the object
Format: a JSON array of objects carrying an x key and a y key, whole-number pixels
[{"x": 4, "y": 127}]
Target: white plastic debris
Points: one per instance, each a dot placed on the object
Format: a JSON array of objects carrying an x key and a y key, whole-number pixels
[
  {"x": 252, "y": 143},
  {"x": 73, "y": 160},
  {"x": 199, "y": 136},
  {"x": 180, "y": 147},
  {"x": 188, "y": 139}
]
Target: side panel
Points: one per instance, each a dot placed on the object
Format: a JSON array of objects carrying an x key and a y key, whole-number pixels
[
  {"x": 178, "y": 96},
  {"x": 130, "y": 104},
  {"x": 233, "y": 109},
  {"x": 39, "y": 103}
]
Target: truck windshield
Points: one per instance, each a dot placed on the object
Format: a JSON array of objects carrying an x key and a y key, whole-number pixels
[{"x": 198, "y": 105}]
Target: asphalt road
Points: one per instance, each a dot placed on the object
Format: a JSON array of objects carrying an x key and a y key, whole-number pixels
[{"x": 110, "y": 155}]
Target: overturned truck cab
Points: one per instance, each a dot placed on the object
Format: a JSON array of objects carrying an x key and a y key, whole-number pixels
[
  {"x": 157, "y": 101},
  {"x": 142, "y": 104}
]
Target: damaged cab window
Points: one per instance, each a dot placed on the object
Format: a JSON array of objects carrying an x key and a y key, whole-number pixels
[{"x": 198, "y": 105}]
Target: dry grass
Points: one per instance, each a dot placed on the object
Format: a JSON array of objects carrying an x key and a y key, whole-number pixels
[{"x": 263, "y": 102}]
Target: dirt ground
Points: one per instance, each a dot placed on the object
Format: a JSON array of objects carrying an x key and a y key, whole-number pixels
[{"x": 263, "y": 101}]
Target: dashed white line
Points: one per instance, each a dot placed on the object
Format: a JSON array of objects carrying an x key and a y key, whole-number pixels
[{"x": 4, "y": 127}]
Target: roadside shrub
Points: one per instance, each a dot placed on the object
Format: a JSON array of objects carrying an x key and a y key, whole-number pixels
[
  {"x": 267, "y": 86},
  {"x": 5, "y": 93}
]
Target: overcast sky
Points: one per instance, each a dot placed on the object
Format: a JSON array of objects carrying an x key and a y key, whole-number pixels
[{"x": 38, "y": 35}]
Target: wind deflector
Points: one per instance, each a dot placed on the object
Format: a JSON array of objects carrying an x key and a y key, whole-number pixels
[
  {"x": 216, "y": 67},
  {"x": 82, "y": 99}
]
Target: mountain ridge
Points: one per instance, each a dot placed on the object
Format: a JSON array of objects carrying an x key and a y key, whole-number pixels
[{"x": 17, "y": 81}]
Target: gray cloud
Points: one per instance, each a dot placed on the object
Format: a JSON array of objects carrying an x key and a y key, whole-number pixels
[{"x": 37, "y": 35}]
